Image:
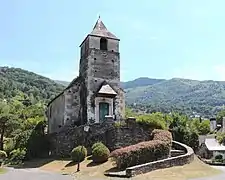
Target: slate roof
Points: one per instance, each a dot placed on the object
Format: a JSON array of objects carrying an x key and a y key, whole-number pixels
[
  {"x": 101, "y": 30},
  {"x": 213, "y": 145}
]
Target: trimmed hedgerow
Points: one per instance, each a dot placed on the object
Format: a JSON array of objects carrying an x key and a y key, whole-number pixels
[
  {"x": 144, "y": 152},
  {"x": 100, "y": 153},
  {"x": 162, "y": 135},
  {"x": 79, "y": 154}
]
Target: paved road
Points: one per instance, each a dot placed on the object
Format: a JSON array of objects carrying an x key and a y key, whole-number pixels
[
  {"x": 36, "y": 174},
  {"x": 217, "y": 177},
  {"x": 32, "y": 174}
]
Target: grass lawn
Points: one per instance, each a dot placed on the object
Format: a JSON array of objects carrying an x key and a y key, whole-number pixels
[
  {"x": 2, "y": 170},
  {"x": 88, "y": 170}
]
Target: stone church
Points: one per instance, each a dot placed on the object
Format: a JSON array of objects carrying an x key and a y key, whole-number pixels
[{"x": 96, "y": 92}]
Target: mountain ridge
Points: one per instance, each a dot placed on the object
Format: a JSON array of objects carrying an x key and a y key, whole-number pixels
[{"x": 145, "y": 94}]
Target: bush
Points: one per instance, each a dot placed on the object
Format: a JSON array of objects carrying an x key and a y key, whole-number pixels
[
  {"x": 96, "y": 145},
  {"x": 153, "y": 121},
  {"x": 78, "y": 154},
  {"x": 17, "y": 156},
  {"x": 220, "y": 136},
  {"x": 100, "y": 153},
  {"x": 144, "y": 152},
  {"x": 162, "y": 135},
  {"x": 219, "y": 157},
  {"x": 9, "y": 145},
  {"x": 3, "y": 155}
]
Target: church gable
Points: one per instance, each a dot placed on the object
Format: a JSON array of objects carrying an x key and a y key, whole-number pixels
[{"x": 106, "y": 89}]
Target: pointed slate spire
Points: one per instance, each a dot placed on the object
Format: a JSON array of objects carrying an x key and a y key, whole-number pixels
[{"x": 101, "y": 30}]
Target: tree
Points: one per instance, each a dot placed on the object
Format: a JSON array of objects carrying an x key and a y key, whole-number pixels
[
  {"x": 6, "y": 121},
  {"x": 220, "y": 116}
]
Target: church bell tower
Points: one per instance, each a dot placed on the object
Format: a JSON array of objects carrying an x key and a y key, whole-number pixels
[{"x": 100, "y": 68}]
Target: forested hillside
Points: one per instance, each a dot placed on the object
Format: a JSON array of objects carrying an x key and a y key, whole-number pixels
[
  {"x": 144, "y": 94},
  {"x": 14, "y": 81},
  {"x": 204, "y": 97}
]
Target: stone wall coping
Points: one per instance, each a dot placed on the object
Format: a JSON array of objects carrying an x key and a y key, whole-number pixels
[{"x": 168, "y": 162}]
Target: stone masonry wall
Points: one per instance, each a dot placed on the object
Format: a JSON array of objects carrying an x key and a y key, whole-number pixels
[
  {"x": 55, "y": 114},
  {"x": 188, "y": 157},
  {"x": 112, "y": 136}
]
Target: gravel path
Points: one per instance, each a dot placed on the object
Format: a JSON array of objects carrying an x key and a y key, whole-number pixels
[
  {"x": 37, "y": 174},
  {"x": 32, "y": 174},
  {"x": 217, "y": 177}
]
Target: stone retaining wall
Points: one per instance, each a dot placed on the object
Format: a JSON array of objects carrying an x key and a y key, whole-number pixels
[
  {"x": 112, "y": 135},
  {"x": 165, "y": 163}
]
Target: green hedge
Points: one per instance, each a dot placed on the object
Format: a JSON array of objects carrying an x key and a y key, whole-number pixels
[
  {"x": 100, "y": 153},
  {"x": 144, "y": 152},
  {"x": 79, "y": 154}
]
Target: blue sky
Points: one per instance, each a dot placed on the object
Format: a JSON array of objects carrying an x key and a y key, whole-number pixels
[{"x": 159, "y": 39}]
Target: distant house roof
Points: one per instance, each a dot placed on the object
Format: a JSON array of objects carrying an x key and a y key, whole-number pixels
[{"x": 213, "y": 145}]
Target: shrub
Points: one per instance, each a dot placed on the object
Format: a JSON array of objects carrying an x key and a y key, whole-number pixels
[
  {"x": 3, "y": 155},
  {"x": 100, "y": 153},
  {"x": 78, "y": 154},
  {"x": 96, "y": 145},
  {"x": 219, "y": 157},
  {"x": 17, "y": 156},
  {"x": 144, "y": 152},
  {"x": 119, "y": 124},
  {"x": 162, "y": 135},
  {"x": 153, "y": 121},
  {"x": 9, "y": 145},
  {"x": 220, "y": 136}
]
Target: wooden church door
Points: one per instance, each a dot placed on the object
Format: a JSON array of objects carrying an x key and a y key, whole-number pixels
[{"x": 103, "y": 111}]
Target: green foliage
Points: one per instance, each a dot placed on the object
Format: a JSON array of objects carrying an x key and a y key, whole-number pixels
[
  {"x": 96, "y": 145},
  {"x": 22, "y": 139},
  {"x": 22, "y": 119},
  {"x": 129, "y": 113},
  {"x": 9, "y": 145},
  {"x": 154, "y": 120},
  {"x": 119, "y": 124},
  {"x": 145, "y": 151},
  {"x": 220, "y": 136},
  {"x": 14, "y": 81},
  {"x": 179, "y": 95},
  {"x": 184, "y": 130},
  {"x": 100, "y": 153},
  {"x": 3, "y": 155},
  {"x": 220, "y": 115},
  {"x": 204, "y": 127},
  {"x": 17, "y": 156},
  {"x": 34, "y": 141},
  {"x": 78, "y": 154},
  {"x": 219, "y": 156}
]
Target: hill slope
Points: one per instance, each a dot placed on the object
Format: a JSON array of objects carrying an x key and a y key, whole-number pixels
[
  {"x": 204, "y": 97},
  {"x": 14, "y": 81}
]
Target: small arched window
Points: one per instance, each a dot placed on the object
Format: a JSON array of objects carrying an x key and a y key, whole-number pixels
[{"x": 103, "y": 44}]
